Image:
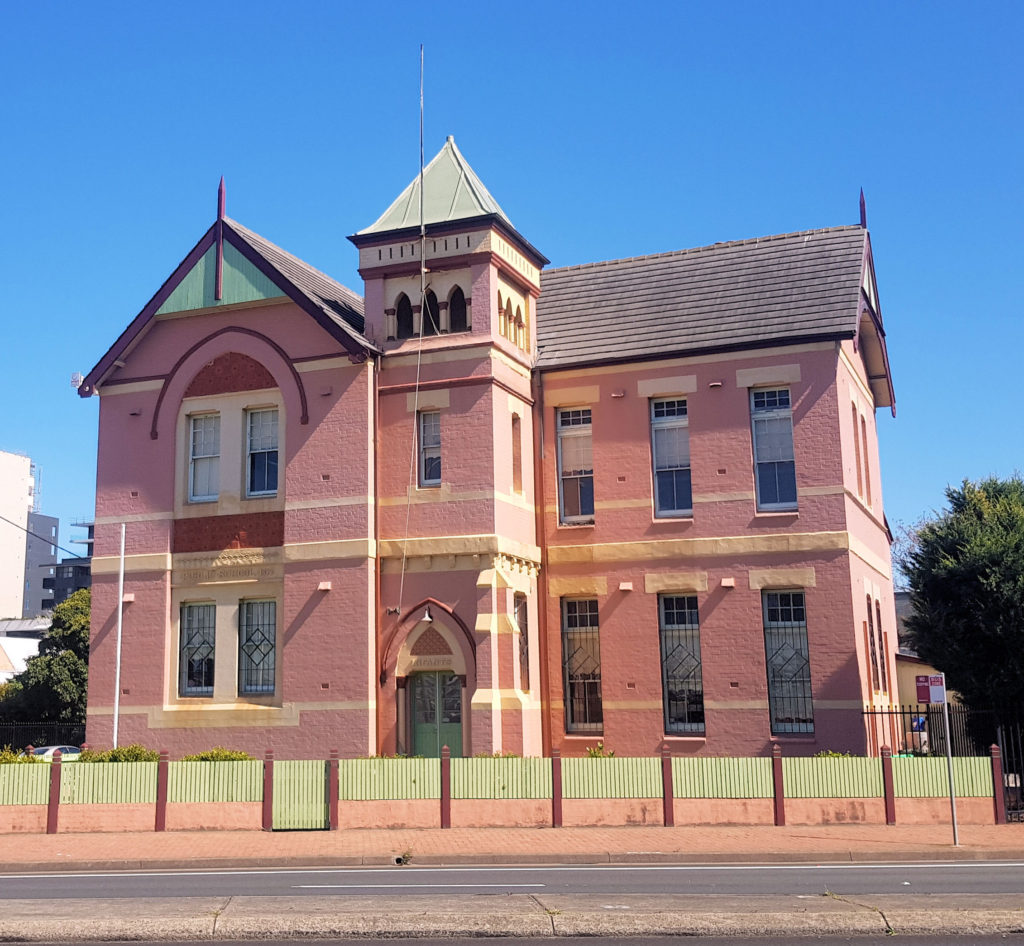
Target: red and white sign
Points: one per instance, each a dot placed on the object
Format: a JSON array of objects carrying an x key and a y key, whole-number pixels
[{"x": 931, "y": 689}]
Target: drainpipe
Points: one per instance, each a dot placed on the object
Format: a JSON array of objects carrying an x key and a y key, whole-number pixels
[
  {"x": 375, "y": 475},
  {"x": 542, "y": 596}
]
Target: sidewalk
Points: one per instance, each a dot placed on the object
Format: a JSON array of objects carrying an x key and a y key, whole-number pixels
[
  {"x": 420, "y": 846},
  {"x": 541, "y": 913}
]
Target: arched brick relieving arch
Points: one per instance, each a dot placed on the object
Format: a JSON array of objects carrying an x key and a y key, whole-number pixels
[
  {"x": 407, "y": 623},
  {"x": 233, "y": 338}
]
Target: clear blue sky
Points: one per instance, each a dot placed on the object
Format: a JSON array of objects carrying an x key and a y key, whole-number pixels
[{"x": 604, "y": 130}]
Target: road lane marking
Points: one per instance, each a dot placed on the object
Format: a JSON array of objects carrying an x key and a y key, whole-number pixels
[{"x": 400, "y": 886}]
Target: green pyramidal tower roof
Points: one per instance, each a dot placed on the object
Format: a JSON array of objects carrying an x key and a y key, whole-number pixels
[{"x": 451, "y": 189}]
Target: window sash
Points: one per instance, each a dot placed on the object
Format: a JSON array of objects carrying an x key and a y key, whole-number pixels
[
  {"x": 670, "y": 454},
  {"x": 430, "y": 448},
  {"x": 522, "y": 623},
  {"x": 261, "y": 449},
  {"x": 581, "y": 667},
  {"x": 787, "y": 659},
  {"x": 204, "y": 457},
  {"x": 257, "y": 646},
  {"x": 197, "y": 649},
  {"x": 575, "y": 466},
  {"x": 681, "y": 668},
  {"x": 771, "y": 422}
]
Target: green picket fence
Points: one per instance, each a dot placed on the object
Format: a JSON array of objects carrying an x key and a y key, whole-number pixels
[
  {"x": 108, "y": 783},
  {"x": 843, "y": 777},
  {"x": 611, "y": 778},
  {"x": 26, "y": 784},
  {"x": 927, "y": 777},
  {"x": 300, "y": 795},
  {"x": 215, "y": 781},
  {"x": 399, "y": 779},
  {"x": 501, "y": 778},
  {"x": 709, "y": 777}
]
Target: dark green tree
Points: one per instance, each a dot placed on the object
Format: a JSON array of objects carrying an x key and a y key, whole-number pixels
[
  {"x": 53, "y": 685},
  {"x": 965, "y": 572}
]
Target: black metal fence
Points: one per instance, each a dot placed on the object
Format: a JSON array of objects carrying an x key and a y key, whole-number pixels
[
  {"x": 920, "y": 729},
  {"x": 19, "y": 735}
]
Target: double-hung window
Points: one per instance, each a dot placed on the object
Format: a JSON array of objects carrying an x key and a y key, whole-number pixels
[
  {"x": 204, "y": 457},
  {"x": 196, "y": 649},
  {"x": 670, "y": 449},
  {"x": 681, "y": 680},
  {"x": 788, "y": 661},
  {"x": 581, "y": 666},
  {"x": 261, "y": 452},
  {"x": 576, "y": 466},
  {"x": 430, "y": 448},
  {"x": 771, "y": 419},
  {"x": 257, "y": 646}
]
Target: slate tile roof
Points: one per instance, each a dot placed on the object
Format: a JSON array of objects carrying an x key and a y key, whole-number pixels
[
  {"x": 339, "y": 303},
  {"x": 750, "y": 293}
]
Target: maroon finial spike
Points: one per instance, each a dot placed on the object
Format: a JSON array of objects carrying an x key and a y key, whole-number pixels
[
  {"x": 863, "y": 210},
  {"x": 221, "y": 201}
]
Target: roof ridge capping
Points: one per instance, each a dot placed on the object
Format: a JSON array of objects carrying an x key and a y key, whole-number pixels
[{"x": 703, "y": 249}]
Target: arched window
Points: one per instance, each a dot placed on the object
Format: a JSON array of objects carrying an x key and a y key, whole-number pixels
[
  {"x": 501, "y": 315},
  {"x": 431, "y": 315},
  {"x": 403, "y": 316},
  {"x": 510, "y": 328},
  {"x": 457, "y": 321},
  {"x": 519, "y": 335}
]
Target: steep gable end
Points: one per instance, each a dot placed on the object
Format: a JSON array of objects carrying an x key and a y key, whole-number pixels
[{"x": 241, "y": 282}]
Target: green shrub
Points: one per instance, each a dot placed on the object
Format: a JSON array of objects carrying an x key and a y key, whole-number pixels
[
  {"x": 133, "y": 753},
  {"x": 832, "y": 754},
  {"x": 497, "y": 755},
  {"x": 599, "y": 751},
  {"x": 218, "y": 754},
  {"x": 9, "y": 756}
]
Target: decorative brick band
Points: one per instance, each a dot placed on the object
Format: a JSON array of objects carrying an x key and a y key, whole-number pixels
[{"x": 215, "y": 533}]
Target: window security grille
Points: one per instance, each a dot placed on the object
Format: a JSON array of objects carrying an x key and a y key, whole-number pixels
[
  {"x": 581, "y": 667},
  {"x": 196, "y": 654},
  {"x": 788, "y": 661},
  {"x": 257, "y": 646},
  {"x": 682, "y": 683}
]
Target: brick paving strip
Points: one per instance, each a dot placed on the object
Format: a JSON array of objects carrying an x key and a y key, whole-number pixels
[{"x": 518, "y": 914}]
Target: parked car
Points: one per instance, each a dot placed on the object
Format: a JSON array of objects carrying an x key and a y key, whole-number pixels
[{"x": 67, "y": 753}]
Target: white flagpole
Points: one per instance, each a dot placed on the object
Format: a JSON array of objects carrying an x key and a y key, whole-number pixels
[{"x": 120, "y": 617}]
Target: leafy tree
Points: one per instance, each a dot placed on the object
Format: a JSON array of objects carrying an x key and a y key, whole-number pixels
[
  {"x": 965, "y": 571},
  {"x": 53, "y": 685}
]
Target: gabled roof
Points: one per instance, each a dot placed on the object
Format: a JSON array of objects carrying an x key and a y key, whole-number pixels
[
  {"x": 451, "y": 190},
  {"x": 752, "y": 293},
  {"x": 337, "y": 309}
]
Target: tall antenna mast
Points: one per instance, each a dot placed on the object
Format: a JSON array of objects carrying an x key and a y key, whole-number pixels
[{"x": 423, "y": 227}]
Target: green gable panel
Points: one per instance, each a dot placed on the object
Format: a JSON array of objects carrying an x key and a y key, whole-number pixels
[{"x": 241, "y": 282}]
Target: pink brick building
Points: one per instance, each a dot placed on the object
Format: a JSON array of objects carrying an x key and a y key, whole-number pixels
[{"x": 635, "y": 502}]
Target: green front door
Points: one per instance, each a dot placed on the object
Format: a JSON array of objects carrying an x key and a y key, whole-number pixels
[{"x": 436, "y": 713}]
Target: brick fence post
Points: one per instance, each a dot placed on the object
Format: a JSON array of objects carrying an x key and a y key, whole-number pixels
[
  {"x": 161, "y": 791},
  {"x": 667, "y": 788},
  {"x": 268, "y": 791},
  {"x": 888, "y": 786},
  {"x": 53, "y": 802},
  {"x": 998, "y": 786},
  {"x": 556, "y": 788},
  {"x": 446, "y": 787},
  {"x": 332, "y": 790},
  {"x": 777, "y": 787}
]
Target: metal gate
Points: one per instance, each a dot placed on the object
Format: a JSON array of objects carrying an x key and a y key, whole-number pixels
[
  {"x": 1011, "y": 746},
  {"x": 300, "y": 796}
]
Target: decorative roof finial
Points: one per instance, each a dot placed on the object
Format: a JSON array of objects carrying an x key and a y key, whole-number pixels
[
  {"x": 863, "y": 211},
  {"x": 221, "y": 200}
]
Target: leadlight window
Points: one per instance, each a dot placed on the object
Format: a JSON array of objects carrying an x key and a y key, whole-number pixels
[
  {"x": 197, "y": 642},
  {"x": 576, "y": 466},
  {"x": 681, "y": 678},
  {"x": 204, "y": 457},
  {"x": 771, "y": 419},
  {"x": 670, "y": 451},
  {"x": 257, "y": 646},
  {"x": 788, "y": 662},
  {"x": 430, "y": 448},
  {"x": 581, "y": 666},
  {"x": 261, "y": 452}
]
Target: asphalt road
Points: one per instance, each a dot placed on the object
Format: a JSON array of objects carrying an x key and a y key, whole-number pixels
[{"x": 971, "y": 877}]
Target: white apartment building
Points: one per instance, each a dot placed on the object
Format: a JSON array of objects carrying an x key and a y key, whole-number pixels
[{"x": 17, "y": 497}]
